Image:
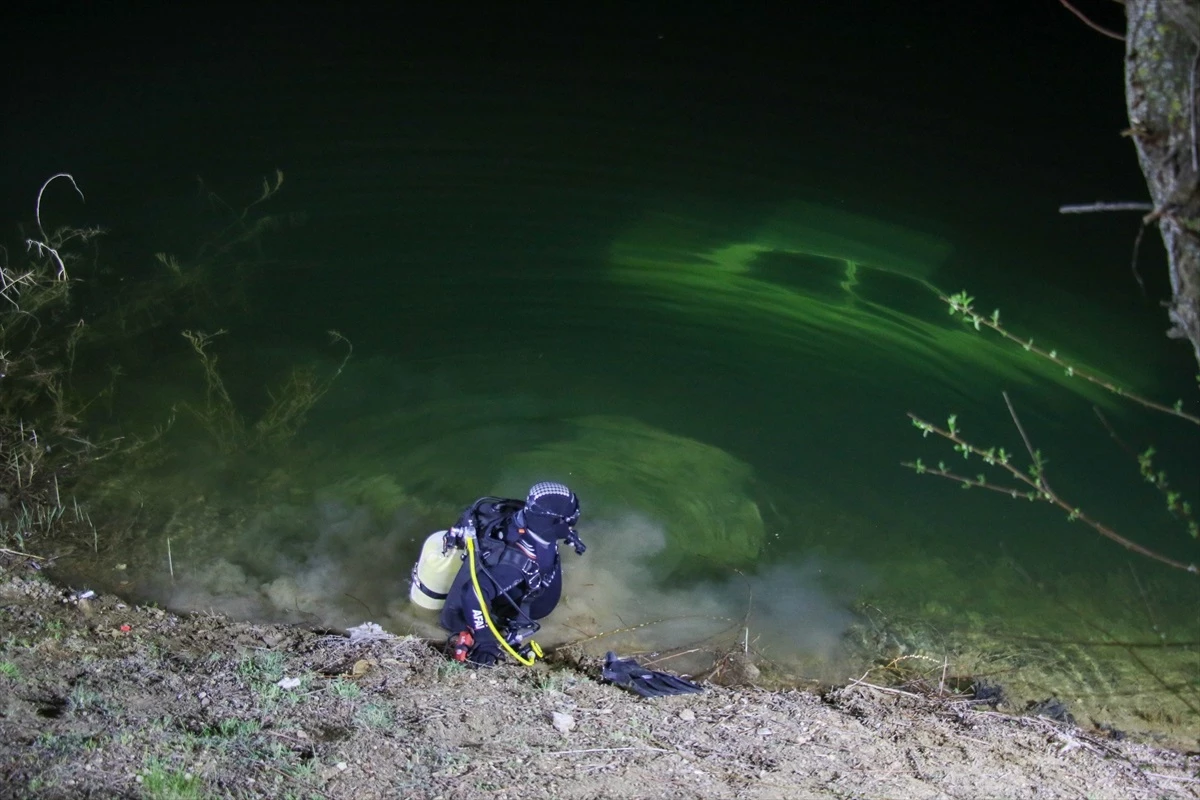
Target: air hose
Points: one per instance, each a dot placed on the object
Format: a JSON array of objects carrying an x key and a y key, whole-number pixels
[{"x": 487, "y": 617}]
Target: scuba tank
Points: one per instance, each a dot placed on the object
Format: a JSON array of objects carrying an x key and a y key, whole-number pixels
[{"x": 434, "y": 571}]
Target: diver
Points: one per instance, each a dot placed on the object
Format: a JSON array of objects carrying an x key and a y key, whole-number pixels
[{"x": 511, "y": 575}]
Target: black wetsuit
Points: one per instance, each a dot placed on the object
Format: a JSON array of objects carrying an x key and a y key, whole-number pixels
[{"x": 520, "y": 579}]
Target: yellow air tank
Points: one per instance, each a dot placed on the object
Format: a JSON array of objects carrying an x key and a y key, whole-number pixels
[{"x": 434, "y": 572}]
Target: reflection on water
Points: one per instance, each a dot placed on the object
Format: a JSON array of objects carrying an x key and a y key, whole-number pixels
[{"x": 834, "y": 291}]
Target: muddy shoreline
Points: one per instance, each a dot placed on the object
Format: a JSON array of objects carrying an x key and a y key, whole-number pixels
[{"x": 105, "y": 699}]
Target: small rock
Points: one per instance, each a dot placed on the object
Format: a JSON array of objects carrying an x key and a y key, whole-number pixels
[
  {"x": 368, "y": 632},
  {"x": 342, "y": 765},
  {"x": 288, "y": 683},
  {"x": 563, "y": 723},
  {"x": 687, "y": 715}
]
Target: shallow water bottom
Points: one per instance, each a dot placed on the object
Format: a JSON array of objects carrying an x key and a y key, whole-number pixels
[{"x": 1113, "y": 650}]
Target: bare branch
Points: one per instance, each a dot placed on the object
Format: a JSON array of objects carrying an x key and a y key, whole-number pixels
[
  {"x": 1090, "y": 24},
  {"x": 38, "y": 209},
  {"x": 1091, "y": 208},
  {"x": 1033, "y": 456}
]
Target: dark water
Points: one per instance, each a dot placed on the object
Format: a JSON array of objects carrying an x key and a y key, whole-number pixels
[{"x": 686, "y": 266}]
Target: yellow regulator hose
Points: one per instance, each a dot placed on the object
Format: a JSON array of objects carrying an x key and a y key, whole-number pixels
[{"x": 487, "y": 617}]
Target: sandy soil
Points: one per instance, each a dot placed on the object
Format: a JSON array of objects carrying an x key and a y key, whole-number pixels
[{"x": 103, "y": 699}]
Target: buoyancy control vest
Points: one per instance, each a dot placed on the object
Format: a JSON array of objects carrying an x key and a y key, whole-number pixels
[{"x": 442, "y": 554}]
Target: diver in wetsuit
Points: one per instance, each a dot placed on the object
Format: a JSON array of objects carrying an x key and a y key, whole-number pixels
[{"x": 518, "y": 575}]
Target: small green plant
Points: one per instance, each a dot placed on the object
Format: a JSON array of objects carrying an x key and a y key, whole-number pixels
[
  {"x": 160, "y": 781},
  {"x": 48, "y": 739},
  {"x": 447, "y": 669},
  {"x": 274, "y": 751},
  {"x": 55, "y": 628},
  {"x": 11, "y": 642},
  {"x": 261, "y": 667},
  {"x": 376, "y": 716},
  {"x": 85, "y": 699},
  {"x": 347, "y": 690},
  {"x": 550, "y": 682},
  {"x": 305, "y": 771},
  {"x": 234, "y": 728},
  {"x": 161, "y": 727},
  {"x": 269, "y": 695},
  {"x": 10, "y": 670}
]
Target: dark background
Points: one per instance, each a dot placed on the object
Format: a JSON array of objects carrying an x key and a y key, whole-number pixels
[{"x": 972, "y": 116}]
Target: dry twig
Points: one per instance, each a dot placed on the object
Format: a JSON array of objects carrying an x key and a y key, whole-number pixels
[
  {"x": 1089, "y": 208},
  {"x": 1097, "y": 28}
]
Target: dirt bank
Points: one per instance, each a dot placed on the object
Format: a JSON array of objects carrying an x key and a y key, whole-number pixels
[{"x": 102, "y": 699}]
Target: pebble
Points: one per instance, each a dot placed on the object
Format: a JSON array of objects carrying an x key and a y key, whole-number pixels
[
  {"x": 563, "y": 723},
  {"x": 687, "y": 715}
]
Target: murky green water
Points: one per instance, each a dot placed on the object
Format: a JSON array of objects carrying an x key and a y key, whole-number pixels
[{"x": 691, "y": 325}]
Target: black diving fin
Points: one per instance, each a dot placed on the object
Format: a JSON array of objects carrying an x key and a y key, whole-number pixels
[{"x": 628, "y": 674}]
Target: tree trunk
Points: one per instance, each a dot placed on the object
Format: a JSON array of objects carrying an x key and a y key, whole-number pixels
[{"x": 1162, "y": 56}]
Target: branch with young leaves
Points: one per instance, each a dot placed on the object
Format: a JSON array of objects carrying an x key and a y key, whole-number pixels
[
  {"x": 1180, "y": 509},
  {"x": 962, "y": 303},
  {"x": 1030, "y": 483}
]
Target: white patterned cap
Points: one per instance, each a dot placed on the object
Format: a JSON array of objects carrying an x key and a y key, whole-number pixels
[{"x": 553, "y": 500}]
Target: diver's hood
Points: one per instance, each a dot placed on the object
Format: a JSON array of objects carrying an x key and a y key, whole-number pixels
[{"x": 551, "y": 527}]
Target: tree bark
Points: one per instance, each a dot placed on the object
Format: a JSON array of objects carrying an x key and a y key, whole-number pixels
[{"x": 1162, "y": 57}]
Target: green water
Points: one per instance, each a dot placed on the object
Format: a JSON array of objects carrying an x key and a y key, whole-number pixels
[{"x": 712, "y": 331}]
